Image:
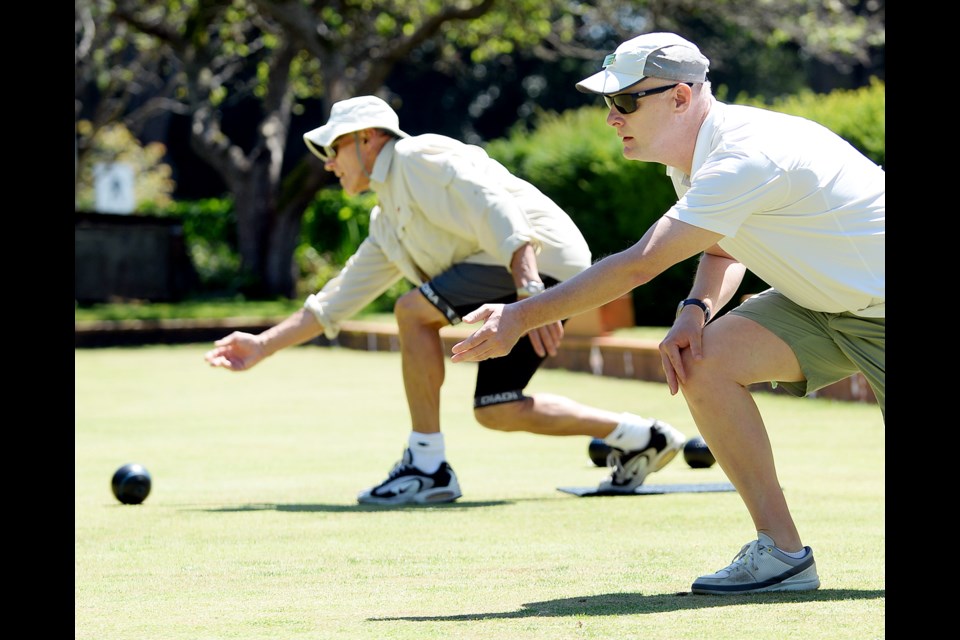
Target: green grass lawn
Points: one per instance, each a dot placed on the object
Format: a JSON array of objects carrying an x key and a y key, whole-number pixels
[{"x": 252, "y": 530}]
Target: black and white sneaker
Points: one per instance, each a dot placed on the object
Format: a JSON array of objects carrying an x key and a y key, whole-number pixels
[
  {"x": 407, "y": 484},
  {"x": 631, "y": 468}
]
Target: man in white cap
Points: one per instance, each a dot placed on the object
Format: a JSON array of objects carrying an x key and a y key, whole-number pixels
[
  {"x": 776, "y": 194},
  {"x": 455, "y": 223}
]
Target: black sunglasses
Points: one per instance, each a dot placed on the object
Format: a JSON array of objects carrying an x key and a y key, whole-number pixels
[
  {"x": 627, "y": 102},
  {"x": 329, "y": 152}
]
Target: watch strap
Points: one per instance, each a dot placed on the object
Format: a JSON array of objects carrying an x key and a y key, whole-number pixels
[
  {"x": 532, "y": 288},
  {"x": 695, "y": 301}
]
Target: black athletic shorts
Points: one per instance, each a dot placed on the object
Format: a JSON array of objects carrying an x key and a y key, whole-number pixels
[{"x": 463, "y": 288}]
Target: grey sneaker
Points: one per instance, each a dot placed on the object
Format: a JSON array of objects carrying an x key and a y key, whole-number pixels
[
  {"x": 407, "y": 484},
  {"x": 760, "y": 566},
  {"x": 631, "y": 468}
]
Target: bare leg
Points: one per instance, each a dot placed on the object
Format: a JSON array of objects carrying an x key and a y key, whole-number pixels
[
  {"x": 739, "y": 352},
  {"x": 423, "y": 363},
  {"x": 636, "y": 453},
  {"x": 549, "y": 414},
  {"x": 421, "y": 352}
]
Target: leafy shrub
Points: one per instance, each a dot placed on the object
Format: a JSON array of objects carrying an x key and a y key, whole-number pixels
[{"x": 210, "y": 232}]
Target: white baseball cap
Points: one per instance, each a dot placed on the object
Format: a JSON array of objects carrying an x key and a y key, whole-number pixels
[
  {"x": 347, "y": 116},
  {"x": 657, "y": 55}
]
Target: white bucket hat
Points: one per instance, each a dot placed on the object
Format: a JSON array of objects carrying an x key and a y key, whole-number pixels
[
  {"x": 658, "y": 55},
  {"x": 347, "y": 116}
]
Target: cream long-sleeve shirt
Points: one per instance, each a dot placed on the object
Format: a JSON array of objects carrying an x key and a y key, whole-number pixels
[{"x": 441, "y": 203}]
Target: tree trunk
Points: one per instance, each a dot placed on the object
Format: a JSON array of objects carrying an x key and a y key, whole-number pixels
[
  {"x": 280, "y": 270},
  {"x": 268, "y": 234},
  {"x": 255, "y": 207}
]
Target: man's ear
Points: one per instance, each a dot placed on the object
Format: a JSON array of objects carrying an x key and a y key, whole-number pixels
[{"x": 684, "y": 97}]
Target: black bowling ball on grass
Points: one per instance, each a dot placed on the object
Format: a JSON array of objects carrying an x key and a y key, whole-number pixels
[
  {"x": 131, "y": 483},
  {"x": 598, "y": 451},
  {"x": 697, "y": 454}
]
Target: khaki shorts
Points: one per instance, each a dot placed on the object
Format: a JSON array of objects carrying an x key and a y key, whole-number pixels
[{"x": 829, "y": 346}]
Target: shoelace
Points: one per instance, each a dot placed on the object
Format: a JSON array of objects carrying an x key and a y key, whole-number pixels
[
  {"x": 398, "y": 469},
  {"x": 747, "y": 553}
]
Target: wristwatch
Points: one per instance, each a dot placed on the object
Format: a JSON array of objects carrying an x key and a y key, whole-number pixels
[
  {"x": 530, "y": 289},
  {"x": 699, "y": 303}
]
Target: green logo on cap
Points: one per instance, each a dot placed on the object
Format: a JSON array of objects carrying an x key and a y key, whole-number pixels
[{"x": 609, "y": 60}]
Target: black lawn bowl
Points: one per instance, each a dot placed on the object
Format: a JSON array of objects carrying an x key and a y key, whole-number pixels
[
  {"x": 131, "y": 483},
  {"x": 697, "y": 455},
  {"x": 598, "y": 451}
]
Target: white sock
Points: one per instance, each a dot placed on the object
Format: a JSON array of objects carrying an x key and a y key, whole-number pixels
[
  {"x": 793, "y": 554},
  {"x": 427, "y": 450},
  {"x": 631, "y": 434}
]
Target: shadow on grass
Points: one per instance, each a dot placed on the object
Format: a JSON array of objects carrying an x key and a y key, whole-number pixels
[
  {"x": 354, "y": 508},
  {"x": 618, "y": 604}
]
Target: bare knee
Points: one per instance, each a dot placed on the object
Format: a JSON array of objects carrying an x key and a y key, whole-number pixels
[
  {"x": 412, "y": 308},
  {"x": 704, "y": 372},
  {"x": 507, "y": 416},
  {"x": 407, "y": 306},
  {"x": 737, "y": 352}
]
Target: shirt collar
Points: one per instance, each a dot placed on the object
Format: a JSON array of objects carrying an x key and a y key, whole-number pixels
[
  {"x": 707, "y": 134},
  {"x": 381, "y": 166}
]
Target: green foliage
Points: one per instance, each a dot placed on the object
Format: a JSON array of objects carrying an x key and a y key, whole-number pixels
[
  {"x": 210, "y": 233},
  {"x": 335, "y": 223}
]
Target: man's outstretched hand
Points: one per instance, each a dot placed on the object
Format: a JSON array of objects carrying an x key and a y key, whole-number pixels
[
  {"x": 495, "y": 338},
  {"x": 239, "y": 351}
]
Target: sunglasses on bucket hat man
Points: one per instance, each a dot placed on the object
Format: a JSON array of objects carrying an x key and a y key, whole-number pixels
[
  {"x": 629, "y": 102},
  {"x": 329, "y": 152}
]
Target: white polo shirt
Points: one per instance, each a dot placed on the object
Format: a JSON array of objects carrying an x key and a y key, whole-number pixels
[
  {"x": 798, "y": 205},
  {"x": 441, "y": 203}
]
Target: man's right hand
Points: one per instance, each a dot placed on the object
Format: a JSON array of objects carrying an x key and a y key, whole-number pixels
[
  {"x": 238, "y": 351},
  {"x": 495, "y": 338}
]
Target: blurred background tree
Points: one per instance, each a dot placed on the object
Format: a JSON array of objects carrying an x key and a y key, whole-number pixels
[{"x": 230, "y": 86}]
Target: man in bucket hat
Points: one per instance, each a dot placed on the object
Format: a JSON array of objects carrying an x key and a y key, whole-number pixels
[
  {"x": 455, "y": 223},
  {"x": 776, "y": 194}
]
